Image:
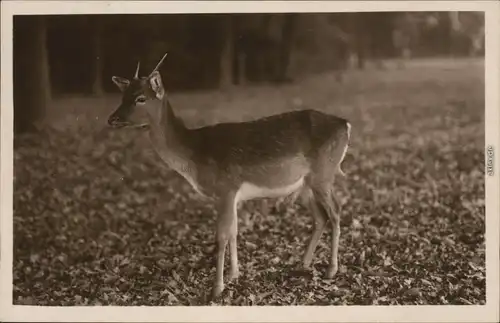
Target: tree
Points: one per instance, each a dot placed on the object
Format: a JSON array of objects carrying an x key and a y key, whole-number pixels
[
  {"x": 32, "y": 89},
  {"x": 286, "y": 46},
  {"x": 372, "y": 35},
  {"x": 355, "y": 26},
  {"x": 97, "y": 54},
  {"x": 226, "y": 58}
]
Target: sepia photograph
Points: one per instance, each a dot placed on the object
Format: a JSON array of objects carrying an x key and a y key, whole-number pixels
[{"x": 262, "y": 158}]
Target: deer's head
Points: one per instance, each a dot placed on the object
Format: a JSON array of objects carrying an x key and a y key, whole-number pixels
[{"x": 136, "y": 92}]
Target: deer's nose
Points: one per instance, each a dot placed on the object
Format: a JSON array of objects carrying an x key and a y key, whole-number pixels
[{"x": 113, "y": 120}]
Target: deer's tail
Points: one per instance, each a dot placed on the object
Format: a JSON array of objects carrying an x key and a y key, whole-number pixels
[{"x": 344, "y": 144}]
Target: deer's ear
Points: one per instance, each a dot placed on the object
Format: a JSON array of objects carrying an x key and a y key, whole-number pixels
[
  {"x": 121, "y": 82},
  {"x": 156, "y": 84}
]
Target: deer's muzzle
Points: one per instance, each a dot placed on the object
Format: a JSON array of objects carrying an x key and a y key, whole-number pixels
[
  {"x": 115, "y": 122},
  {"x": 119, "y": 118}
]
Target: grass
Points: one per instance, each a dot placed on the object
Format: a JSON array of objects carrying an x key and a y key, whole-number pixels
[{"x": 98, "y": 220}]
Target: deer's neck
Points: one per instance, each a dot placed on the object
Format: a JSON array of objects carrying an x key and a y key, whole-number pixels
[{"x": 169, "y": 136}]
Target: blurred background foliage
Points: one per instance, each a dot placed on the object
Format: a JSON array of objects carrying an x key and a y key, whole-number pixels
[{"x": 77, "y": 54}]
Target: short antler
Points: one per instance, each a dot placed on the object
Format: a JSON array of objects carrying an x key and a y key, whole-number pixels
[
  {"x": 136, "y": 75},
  {"x": 158, "y": 65}
]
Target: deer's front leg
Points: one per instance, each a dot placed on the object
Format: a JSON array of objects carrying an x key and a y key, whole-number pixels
[
  {"x": 225, "y": 227},
  {"x": 233, "y": 249}
]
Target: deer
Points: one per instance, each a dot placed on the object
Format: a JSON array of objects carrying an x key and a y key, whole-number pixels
[{"x": 296, "y": 152}]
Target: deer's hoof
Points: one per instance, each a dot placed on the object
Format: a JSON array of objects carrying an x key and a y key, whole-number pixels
[
  {"x": 217, "y": 291},
  {"x": 306, "y": 266},
  {"x": 332, "y": 271}
]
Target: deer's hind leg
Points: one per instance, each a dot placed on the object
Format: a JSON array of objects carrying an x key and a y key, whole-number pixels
[
  {"x": 323, "y": 197},
  {"x": 320, "y": 219},
  {"x": 321, "y": 180}
]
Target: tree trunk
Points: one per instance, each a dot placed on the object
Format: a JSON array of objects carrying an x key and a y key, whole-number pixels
[
  {"x": 356, "y": 23},
  {"x": 286, "y": 46},
  {"x": 97, "y": 56},
  {"x": 226, "y": 58},
  {"x": 455, "y": 28},
  {"x": 32, "y": 90}
]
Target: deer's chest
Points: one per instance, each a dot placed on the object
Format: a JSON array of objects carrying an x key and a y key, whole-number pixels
[{"x": 178, "y": 163}]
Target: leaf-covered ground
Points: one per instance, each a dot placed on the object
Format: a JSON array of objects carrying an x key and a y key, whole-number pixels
[{"x": 99, "y": 220}]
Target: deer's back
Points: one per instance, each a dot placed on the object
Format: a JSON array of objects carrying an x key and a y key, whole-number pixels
[
  {"x": 273, "y": 151},
  {"x": 272, "y": 137}
]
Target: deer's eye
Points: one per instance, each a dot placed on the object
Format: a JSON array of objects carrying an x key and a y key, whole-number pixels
[{"x": 140, "y": 100}]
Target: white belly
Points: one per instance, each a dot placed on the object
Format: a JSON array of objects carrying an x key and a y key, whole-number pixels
[{"x": 249, "y": 191}]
